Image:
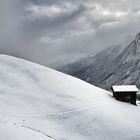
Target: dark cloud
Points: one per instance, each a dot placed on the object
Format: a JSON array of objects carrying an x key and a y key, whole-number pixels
[
  {"x": 40, "y": 25},
  {"x": 54, "y": 32}
]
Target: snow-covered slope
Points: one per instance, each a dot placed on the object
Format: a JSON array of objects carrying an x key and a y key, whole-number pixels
[{"x": 37, "y": 103}]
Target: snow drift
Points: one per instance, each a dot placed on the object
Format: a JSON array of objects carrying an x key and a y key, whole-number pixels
[{"x": 38, "y": 103}]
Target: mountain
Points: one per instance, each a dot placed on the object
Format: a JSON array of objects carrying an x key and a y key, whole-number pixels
[
  {"x": 38, "y": 103},
  {"x": 119, "y": 65}
]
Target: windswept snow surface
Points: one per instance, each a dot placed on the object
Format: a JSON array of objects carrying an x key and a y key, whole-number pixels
[{"x": 38, "y": 103}]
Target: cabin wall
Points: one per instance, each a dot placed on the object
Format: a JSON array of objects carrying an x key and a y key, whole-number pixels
[{"x": 125, "y": 96}]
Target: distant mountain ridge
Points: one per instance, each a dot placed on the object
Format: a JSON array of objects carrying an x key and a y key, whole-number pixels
[{"x": 111, "y": 66}]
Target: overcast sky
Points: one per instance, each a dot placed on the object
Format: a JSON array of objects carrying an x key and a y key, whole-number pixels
[{"x": 56, "y": 32}]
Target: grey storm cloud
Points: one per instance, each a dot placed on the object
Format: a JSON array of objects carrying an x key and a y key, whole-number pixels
[
  {"x": 39, "y": 25},
  {"x": 53, "y": 32}
]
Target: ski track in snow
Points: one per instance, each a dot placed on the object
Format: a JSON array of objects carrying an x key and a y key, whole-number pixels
[
  {"x": 57, "y": 114},
  {"x": 94, "y": 106},
  {"x": 29, "y": 128},
  {"x": 39, "y": 131}
]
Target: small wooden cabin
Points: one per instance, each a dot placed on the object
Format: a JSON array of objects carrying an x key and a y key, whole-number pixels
[{"x": 125, "y": 93}]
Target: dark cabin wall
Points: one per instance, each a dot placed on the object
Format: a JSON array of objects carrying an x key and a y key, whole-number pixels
[{"x": 126, "y": 96}]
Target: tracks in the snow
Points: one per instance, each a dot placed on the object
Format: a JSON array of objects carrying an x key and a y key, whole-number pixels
[
  {"x": 39, "y": 131},
  {"x": 56, "y": 114},
  {"x": 94, "y": 106}
]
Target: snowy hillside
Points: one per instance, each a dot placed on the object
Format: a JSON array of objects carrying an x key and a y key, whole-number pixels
[{"x": 37, "y": 103}]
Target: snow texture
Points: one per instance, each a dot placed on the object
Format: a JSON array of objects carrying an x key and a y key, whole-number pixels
[{"x": 38, "y": 103}]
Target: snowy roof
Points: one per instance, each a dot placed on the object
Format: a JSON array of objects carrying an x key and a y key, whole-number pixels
[{"x": 125, "y": 88}]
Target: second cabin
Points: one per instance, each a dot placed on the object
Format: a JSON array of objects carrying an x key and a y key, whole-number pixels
[{"x": 125, "y": 93}]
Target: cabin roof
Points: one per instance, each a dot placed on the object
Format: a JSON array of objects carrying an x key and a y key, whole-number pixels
[{"x": 125, "y": 88}]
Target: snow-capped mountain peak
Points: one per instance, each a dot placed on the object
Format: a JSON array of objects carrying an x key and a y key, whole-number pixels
[
  {"x": 132, "y": 52},
  {"x": 121, "y": 66},
  {"x": 137, "y": 38}
]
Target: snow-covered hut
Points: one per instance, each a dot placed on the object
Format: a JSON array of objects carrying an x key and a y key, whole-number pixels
[{"x": 126, "y": 93}]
